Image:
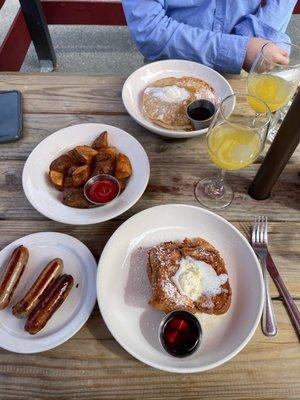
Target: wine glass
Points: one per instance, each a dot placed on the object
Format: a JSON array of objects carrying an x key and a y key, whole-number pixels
[
  {"x": 235, "y": 138},
  {"x": 275, "y": 83}
]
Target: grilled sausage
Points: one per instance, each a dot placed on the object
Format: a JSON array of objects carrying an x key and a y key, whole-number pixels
[
  {"x": 50, "y": 303},
  {"x": 31, "y": 299},
  {"x": 12, "y": 275}
]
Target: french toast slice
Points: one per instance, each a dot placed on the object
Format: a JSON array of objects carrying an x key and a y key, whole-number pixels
[{"x": 163, "y": 263}]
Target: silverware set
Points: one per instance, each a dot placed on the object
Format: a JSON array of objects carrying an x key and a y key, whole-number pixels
[{"x": 259, "y": 241}]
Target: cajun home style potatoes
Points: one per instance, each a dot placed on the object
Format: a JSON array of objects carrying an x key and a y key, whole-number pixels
[{"x": 70, "y": 171}]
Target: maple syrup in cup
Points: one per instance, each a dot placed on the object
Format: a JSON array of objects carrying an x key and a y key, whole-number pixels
[
  {"x": 200, "y": 113},
  {"x": 180, "y": 333}
]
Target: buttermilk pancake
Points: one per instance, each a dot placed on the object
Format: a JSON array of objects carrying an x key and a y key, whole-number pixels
[
  {"x": 165, "y": 100},
  {"x": 189, "y": 275}
]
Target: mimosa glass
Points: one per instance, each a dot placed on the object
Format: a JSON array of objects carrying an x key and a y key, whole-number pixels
[
  {"x": 274, "y": 83},
  {"x": 234, "y": 140}
]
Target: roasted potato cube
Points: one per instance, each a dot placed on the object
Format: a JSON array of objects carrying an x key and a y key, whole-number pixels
[
  {"x": 71, "y": 154},
  {"x": 72, "y": 169},
  {"x": 109, "y": 150},
  {"x": 104, "y": 163},
  {"x": 85, "y": 154},
  {"x": 57, "y": 178},
  {"x": 68, "y": 180},
  {"x": 100, "y": 141},
  {"x": 123, "y": 167},
  {"x": 75, "y": 198},
  {"x": 80, "y": 175},
  {"x": 62, "y": 163}
]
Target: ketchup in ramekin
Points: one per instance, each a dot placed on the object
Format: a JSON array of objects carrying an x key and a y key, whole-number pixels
[{"x": 101, "y": 189}]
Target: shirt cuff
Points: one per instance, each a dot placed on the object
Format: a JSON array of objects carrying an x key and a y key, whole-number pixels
[{"x": 231, "y": 55}]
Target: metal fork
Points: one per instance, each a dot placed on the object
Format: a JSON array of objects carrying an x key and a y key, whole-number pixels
[{"x": 260, "y": 246}]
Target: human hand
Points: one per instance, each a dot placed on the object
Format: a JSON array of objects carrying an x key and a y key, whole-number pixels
[{"x": 274, "y": 53}]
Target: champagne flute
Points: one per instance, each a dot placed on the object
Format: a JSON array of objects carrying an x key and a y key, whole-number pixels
[
  {"x": 274, "y": 83},
  {"x": 234, "y": 140}
]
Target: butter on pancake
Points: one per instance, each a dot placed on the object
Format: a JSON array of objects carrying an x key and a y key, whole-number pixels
[{"x": 165, "y": 100}]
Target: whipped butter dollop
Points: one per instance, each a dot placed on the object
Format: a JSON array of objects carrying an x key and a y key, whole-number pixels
[
  {"x": 195, "y": 278},
  {"x": 169, "y": 94}
]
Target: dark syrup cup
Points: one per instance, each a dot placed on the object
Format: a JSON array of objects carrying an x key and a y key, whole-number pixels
[
  {"x": 180, "y": 333},
  {"x": 200, "y": 113}
]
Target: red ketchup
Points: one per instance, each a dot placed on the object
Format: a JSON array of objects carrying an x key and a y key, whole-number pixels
[
  {"x": 180, "y": 334},
  {"x": 103, "y": 191}
]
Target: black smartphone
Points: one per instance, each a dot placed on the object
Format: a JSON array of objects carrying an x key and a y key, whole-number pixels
[{"x": 10, "y": 116}]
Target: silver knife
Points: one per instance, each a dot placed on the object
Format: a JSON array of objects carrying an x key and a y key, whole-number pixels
[{"x": 282, "y": 289}]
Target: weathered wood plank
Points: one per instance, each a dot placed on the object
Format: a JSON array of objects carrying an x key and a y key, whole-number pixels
[
  {"x": 284, "y": 242},
  {"x": 58, "y": 78},
  {"x": 38, "y": 126},
  {"x": 173, "y": 182},
  {"x": 94, "y": 94},
  {"x": 87, "y": 368}
]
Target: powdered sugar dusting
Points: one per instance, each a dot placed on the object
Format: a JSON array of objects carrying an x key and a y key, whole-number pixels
[
  {"x": 207, "y": 303},
  {"x": 169, "y": 289},
  {"x": 162, "y": 256}
]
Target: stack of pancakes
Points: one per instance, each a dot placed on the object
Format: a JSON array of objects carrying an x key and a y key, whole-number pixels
[
  {"x": 165, "y": 100},
  {"x": 163, "y": 263}
]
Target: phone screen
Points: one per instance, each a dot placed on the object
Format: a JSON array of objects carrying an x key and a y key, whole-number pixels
[{"x": 10, "y": 116}]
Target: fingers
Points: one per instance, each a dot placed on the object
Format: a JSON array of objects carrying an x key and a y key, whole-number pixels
[
  {"x": 278, "y": 56},
  {"x": 282, "y": 59},
  {"x": 284, "y": 53}
]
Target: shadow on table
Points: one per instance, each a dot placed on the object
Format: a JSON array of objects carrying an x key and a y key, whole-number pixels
[
  {"x": 285, "y": 193},
  {"x": 141, "y": 317}
]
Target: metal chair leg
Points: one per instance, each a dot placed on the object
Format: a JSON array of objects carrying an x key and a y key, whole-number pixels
[{"x": 39, "y": 32}]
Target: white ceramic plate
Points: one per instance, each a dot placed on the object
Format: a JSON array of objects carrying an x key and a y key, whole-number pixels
[
  {"x": 136, "y": 83},
  {"x": 76, "y": 309},
  {"x": 47, "y": 200},
  {"x": 123, "y": 301}
]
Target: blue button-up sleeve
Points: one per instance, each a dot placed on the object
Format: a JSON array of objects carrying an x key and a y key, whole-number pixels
[
  {"x": 269, "y": 22},
  {"x": 160, "y": 37}
]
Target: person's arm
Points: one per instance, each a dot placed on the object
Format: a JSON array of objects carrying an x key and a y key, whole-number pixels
[
  {"x": 269, "y": 22},
  {"x": 160, "y": 37}
]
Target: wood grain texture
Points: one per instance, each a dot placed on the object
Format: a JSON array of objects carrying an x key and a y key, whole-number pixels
[
  {"x": 76, "y": 93},
  {"x": 37, "y": 127},
  {"x": 61, "y": 95},
  {"x": 92, "y": 365},
  {"x": 168, "y": 184}
]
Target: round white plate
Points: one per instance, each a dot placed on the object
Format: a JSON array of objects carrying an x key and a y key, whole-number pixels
[
  {"x": 136, "y": 83},
  {"x": 47, "y": 200},
  {"x": 76, "y": 309},
  {"x": 123, "y": 300}
]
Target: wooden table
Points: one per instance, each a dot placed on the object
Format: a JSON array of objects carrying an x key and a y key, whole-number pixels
[{"x": 92, "y": 365}]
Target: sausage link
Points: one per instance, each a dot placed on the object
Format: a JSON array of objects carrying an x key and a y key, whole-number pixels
[
  {"x": 31, "y": 299},
  {"x": 50, "y": 303},
  {"x": 12, "y": 275}
]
